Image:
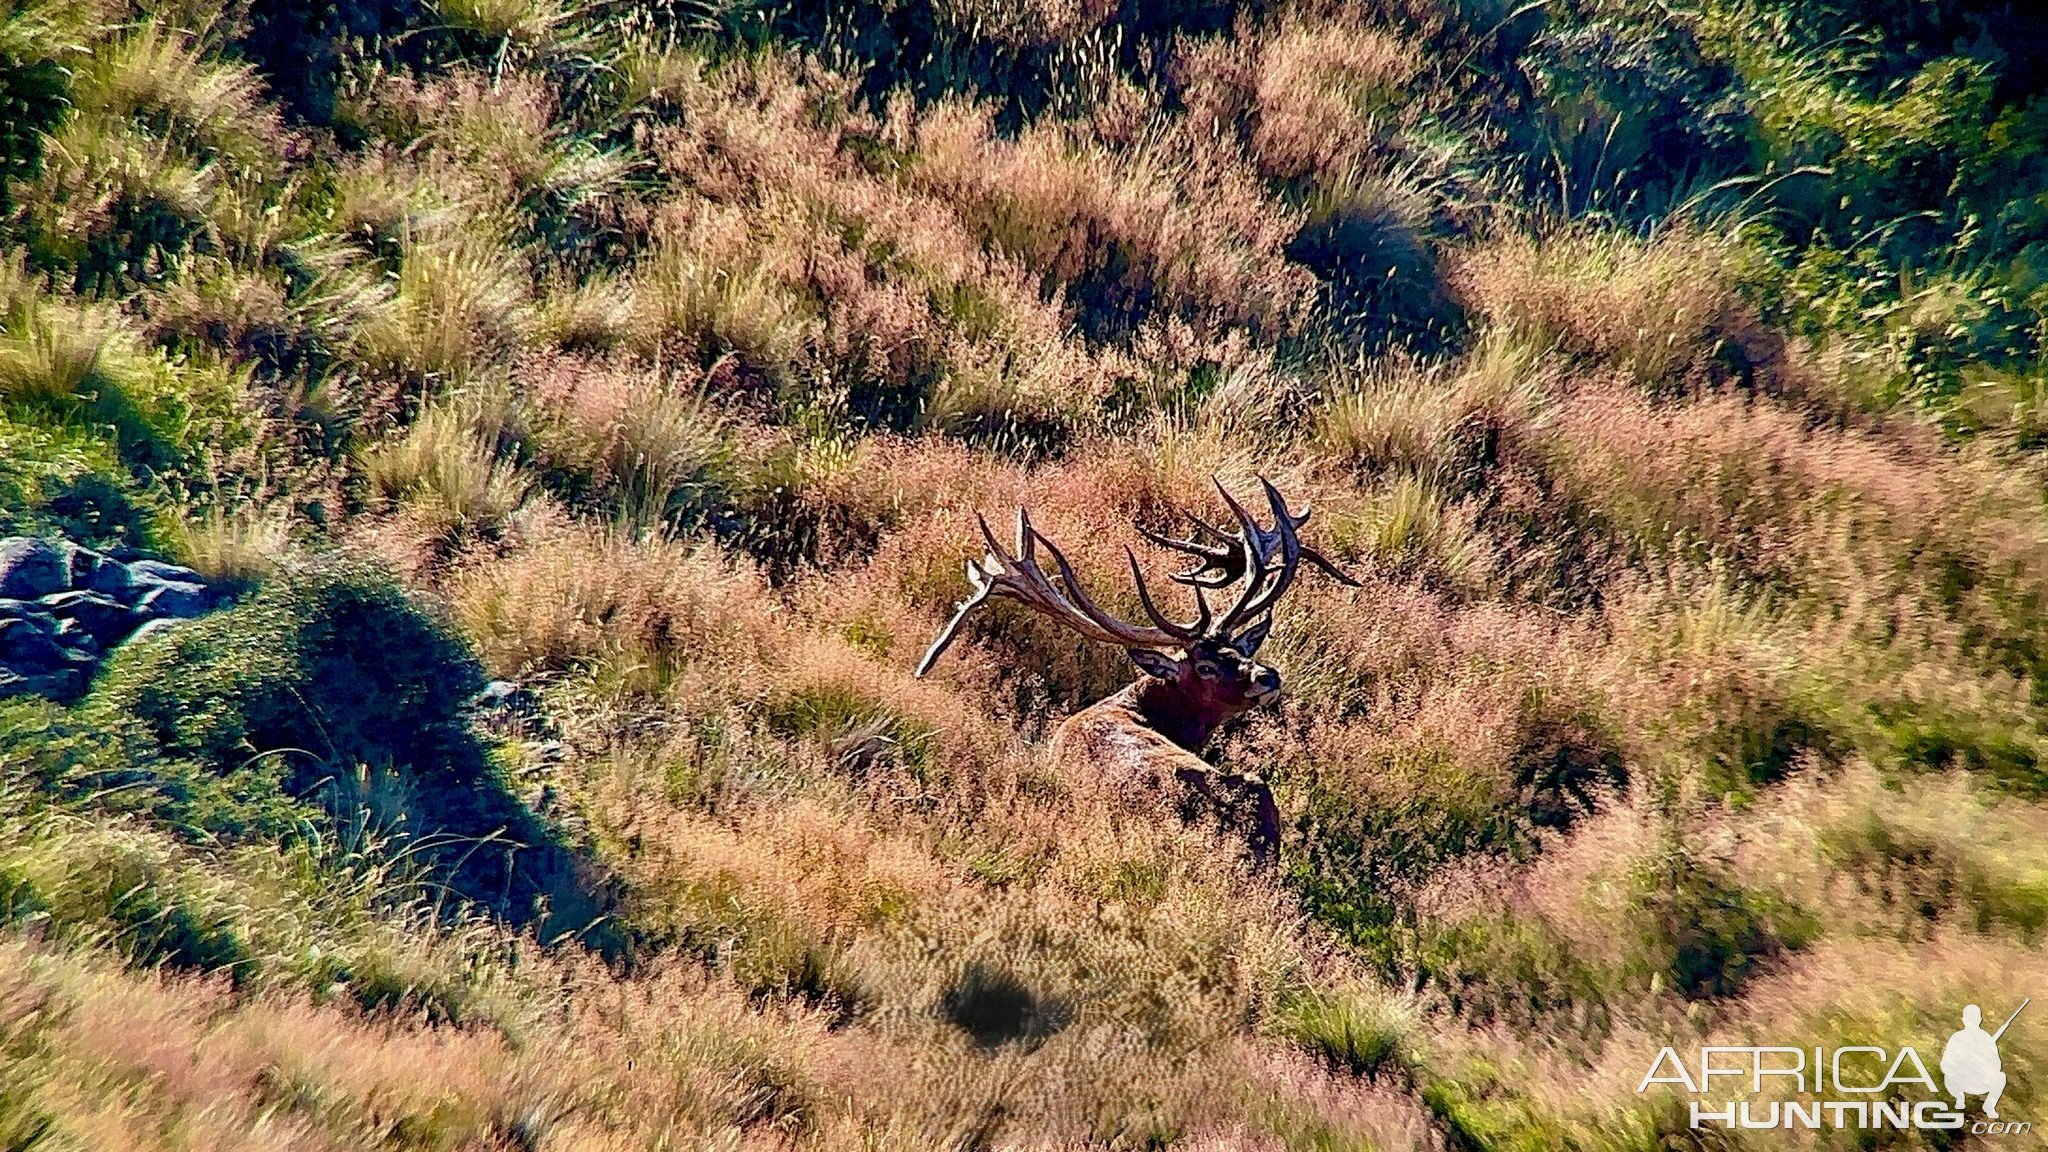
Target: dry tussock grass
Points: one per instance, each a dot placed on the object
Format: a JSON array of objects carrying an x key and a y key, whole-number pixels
[
  {"x": 1192, "y": 234},
  {"x": 583, "y": 595},
  {"x": 1667, "y": 311},
  {"x": 810, "y": 264},
  {"x": 1323, "y": 94},
  {"x": 1432, "y": 419},
  {"x": 1863, "y": 526}
]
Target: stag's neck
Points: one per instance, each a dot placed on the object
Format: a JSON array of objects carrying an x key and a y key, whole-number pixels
[{"x": 1161, "y": 707}]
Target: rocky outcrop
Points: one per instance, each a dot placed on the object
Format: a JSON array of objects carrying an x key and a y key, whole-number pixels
[{"x": 63, "y": 607}]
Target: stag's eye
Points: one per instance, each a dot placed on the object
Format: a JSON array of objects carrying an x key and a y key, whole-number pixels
[{"x": 1205, "y": 670}]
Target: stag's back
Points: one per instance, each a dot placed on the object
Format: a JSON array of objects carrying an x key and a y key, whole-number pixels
[
  {"x": 1113, "y": 742},
  {"x": 1114, "y": 746}
]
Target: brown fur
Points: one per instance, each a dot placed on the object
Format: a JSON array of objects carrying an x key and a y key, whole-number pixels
[{"x": 1145, "y": 739}]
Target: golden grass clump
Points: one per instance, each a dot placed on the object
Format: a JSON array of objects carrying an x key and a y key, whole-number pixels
[
  {"x": 1193, "y": 239},
  {"x": 648, "y": 447},
  {"x": 523, "y": 22},
  {"x": 1324, "y": 96},
  {"x": 1666, "y": 310},
  {"x": 449, "y": 472},
  {"x": 585, "y": 596},
  {"x": 460, "y": 301},
  {"x": 162, "y": 74},
  {"x": 1434, "y": 421},
  {"x": 238, "y": 547}
]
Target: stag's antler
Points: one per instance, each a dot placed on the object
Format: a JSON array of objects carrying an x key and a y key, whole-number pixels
[
  {"x": 1266, "y": 560},
  {"x": 1018, "y": 577},
  {"x": 1255, "y": 546},
  {"x": 1226, "y": 562},
  {"x": 1220, "y": 567}
]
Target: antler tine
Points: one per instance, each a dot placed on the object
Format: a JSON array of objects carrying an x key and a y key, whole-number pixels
[
  {"x": 1185, "y": 632},
  {"x": 1219, "y": 568},
  {"x": 1329, "y": 568},
  {"x": 1248, "y": 529},
  {"x": 1321, "y": 561},
  {"x": 1257, "y": 551},
  {"x": 1258, "y": 600},
  {"x": 1129, "y": 635},
  {"x": 981, "y": 576},
  {"x": 1211, "y": 529},
  {"x": 988, "y": 537}
]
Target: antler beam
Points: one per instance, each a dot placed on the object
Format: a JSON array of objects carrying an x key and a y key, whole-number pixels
[{"x": 1017, "y": 576}]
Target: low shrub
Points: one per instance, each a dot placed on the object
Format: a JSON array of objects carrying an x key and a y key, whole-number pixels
[
  {"x": 69, "y": 483},
  {"x": 1359, "y": 1030},
  {"x": 1701, "y": 933},
  {"x": 332, "y": 672},
  {"x": 335, "y": 663}
]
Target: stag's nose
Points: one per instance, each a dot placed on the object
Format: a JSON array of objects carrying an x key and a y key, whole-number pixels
[{"x": 1267, "y": 681}]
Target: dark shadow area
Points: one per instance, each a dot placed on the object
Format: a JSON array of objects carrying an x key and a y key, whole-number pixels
[
  {"x": 1380, "y": 277},
  {"x": 995, "y": 1008},
  {"x": 1563, "y": 772},
  {"x": 1022, "y": 70},
  {"x": 305, "y": 49},
  {"x": 333, "y": 689}
]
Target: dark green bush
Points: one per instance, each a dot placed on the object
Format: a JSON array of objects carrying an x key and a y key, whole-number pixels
[
  {"x": 308, "y": 52},
  {"x": 1518, "y": 971},
  {"x": 59, "y": 481},
  {"x": 1379, "y": 274},
  {"x": 330, "y": 663},
  {"x": 334, "y": 679},
  {"x": 33, "y": 97},
  {"x": 1628, "y": 115},
  {"x": 996, "y": 1007},
  {"x": 72, "y": 760},
  {"x": 336, "y": 664},
  {"x": 1701, "y": 933}
]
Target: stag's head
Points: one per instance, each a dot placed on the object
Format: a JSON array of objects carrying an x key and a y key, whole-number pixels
[{"x": 1211, "y": 662}]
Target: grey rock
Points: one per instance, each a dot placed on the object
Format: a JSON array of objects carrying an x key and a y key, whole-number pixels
[
  {"x": 30, "y": 644},
  {"x": 36, "y": 619},
  {"x": 158, "y": 572},
  {"x": 102, "y": 574},
  {"x": 497, "y": 690},
  {"x": 113, "y": 579},
  {"x": 31, "y": 567},
  {"x": 16, "y": 609},
  {"x": 505, "y": 696},
  {"x": 59, "y": 685},
  {"x": 83, "y": 561},
  {"x": 177, "y": 601},
  {"x": 104, "y": 618},
  {"x": 75, "y": 637}
]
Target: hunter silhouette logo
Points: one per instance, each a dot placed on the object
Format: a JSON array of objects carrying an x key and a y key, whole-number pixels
[
  {"x": 1970, "y": 1064},
  {"x": 1852, "y": 1086}
]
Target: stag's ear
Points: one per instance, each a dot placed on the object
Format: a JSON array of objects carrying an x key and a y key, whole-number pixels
[
  {"x": 1155, "y": 664},
  {"x": 1249, "y": 640}
]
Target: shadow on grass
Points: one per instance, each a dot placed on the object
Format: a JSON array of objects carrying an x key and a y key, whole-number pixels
[{"x": 332, "y": 688}]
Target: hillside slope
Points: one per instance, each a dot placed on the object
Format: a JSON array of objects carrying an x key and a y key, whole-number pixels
[{"x": 1673, "y": 380}]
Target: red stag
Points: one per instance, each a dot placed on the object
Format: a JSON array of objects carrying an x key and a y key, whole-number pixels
[{"x": 1196, "y": 675}]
